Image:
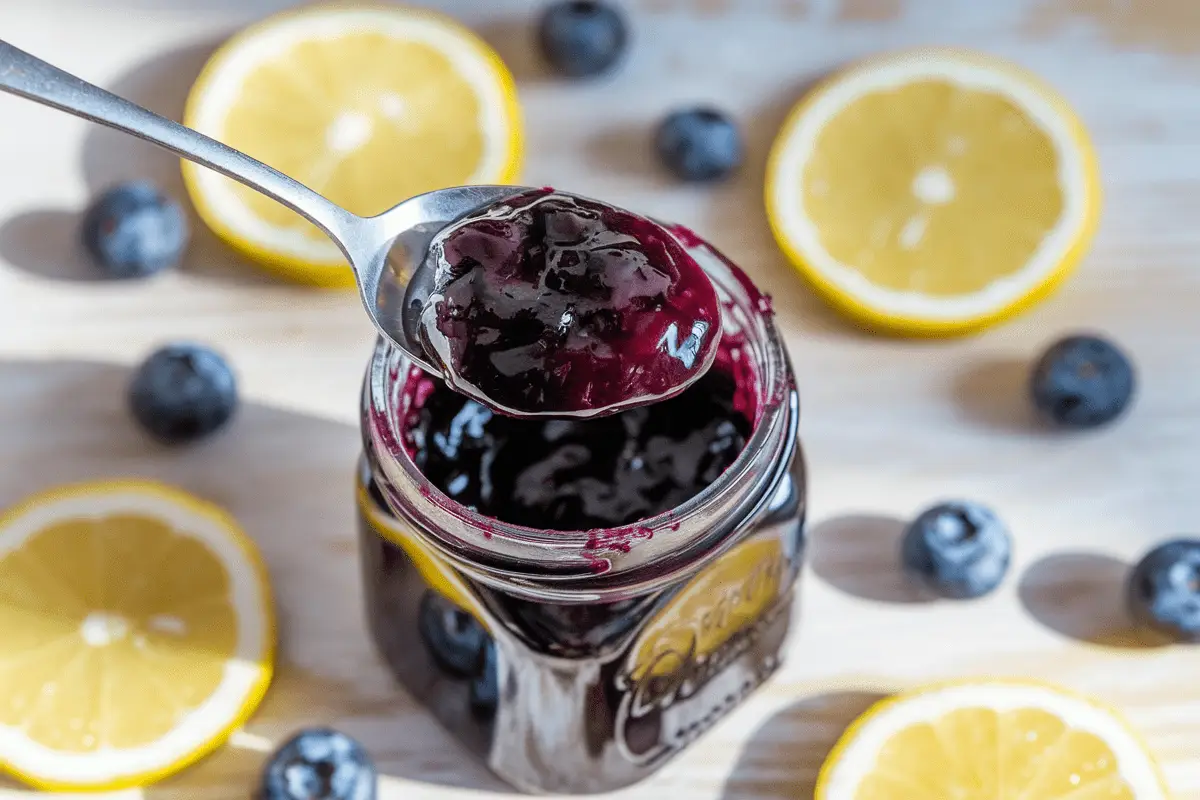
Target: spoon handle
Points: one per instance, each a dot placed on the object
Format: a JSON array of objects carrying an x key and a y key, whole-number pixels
[{"x": 28, "y": 76}]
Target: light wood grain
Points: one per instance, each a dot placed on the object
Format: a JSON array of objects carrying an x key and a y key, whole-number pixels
[{"x": 888, "y": 425}]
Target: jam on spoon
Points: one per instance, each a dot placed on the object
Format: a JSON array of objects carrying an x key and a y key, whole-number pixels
[{"x": 547, "y": 304}]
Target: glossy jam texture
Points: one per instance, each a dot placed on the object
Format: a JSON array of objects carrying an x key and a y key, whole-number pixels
[
  {"x": 573, "y": 474},
  {"x": 550, "y": 304}
]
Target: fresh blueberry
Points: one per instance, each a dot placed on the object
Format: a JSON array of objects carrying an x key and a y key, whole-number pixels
[
  {"x": 958, "y": 549},
  {"x": 699, "y": 144},
  {"x": 1164, "y": 590},
  {"x": 454, "y": 638},
  {"x": 134, "y": 230},
  {"x": 581, "y": 38},
  {"x": 1082, "y": 382},
  {"x": 485, "y": 688},
  {"x": 183, "y": 392},
  {"x": 319, "y": 764}
]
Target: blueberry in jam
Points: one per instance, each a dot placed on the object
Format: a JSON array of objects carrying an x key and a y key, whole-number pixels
[
  {"x": 553, "y": 305},
  {"x": 453, "y": 637},
  {"x": 572, "y": 474},
  {"x": 484, "y": 694}
]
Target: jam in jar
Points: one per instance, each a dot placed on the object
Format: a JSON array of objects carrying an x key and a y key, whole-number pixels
[{"x": 577, "y": 600}]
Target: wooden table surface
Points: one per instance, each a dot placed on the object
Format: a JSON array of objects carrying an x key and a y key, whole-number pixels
[{"x": 888, "y": 425}]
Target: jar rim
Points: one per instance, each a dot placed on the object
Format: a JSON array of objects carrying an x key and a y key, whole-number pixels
[{"x": 496, "y": 551}]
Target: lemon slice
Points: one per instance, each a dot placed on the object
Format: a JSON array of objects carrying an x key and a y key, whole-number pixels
[
  {"x": 990, "y": 741},
  {"x": 137, "y": 629},
  {"x": 933, "y": 192},
  {"x": 367, "y": 106}
]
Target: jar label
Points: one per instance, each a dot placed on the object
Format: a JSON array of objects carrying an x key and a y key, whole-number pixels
[{"x": 713, "y": 643}]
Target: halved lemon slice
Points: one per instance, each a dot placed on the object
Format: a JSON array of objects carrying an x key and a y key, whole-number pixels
[
  {"x": 137, "y": 633},
  {"x": 367, "y": 106},
  {"x": 933, "y": 192},
  {"x": 990, "y": 740}
]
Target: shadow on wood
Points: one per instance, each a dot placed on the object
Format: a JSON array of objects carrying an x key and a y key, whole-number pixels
[
  {"x": 860, "y": 555},
  {"x": 781, "y": 760},
  {"x": 47, "y": 243},
  {"x": 628, "y": 150},
  {"x": 994, "y": 393},
  {"x": 514, "y": 38},
  {"x": 1082, "y": 596}
]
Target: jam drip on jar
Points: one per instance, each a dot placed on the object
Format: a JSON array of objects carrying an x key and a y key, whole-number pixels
[
  {"x": 550, "y": 304},
  {"x": 571, "y": 474}
]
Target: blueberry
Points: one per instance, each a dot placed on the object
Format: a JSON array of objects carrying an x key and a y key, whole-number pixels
[
  {"x": 581, "y": 38},
  {"x": 1164, "y": 590},
  {"x": 319, "y": 764},
  {"x": 958, "y": 549},
  {"x": 699, "y": 144},
  {"x": 454, "y": 638},
  {"x": 1082, "y": 382},
  {"x": 134, "y": 230},
  {"x": 182, "y": 393},
  {"x": 484, "y": 694}
]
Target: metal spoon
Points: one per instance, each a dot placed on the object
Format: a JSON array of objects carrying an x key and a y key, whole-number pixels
[{"x": 387, "y": 252}]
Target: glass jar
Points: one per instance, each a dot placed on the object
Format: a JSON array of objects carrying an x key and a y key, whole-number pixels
[{"x": 578, "y": 662}]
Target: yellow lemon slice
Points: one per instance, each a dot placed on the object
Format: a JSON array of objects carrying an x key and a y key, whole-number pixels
[
  {"x": 138, "y": 633},
  {"x": 367, "y": 106},
  {"x": 933, "y": 192},
  {"x": 990, "y": 741}
]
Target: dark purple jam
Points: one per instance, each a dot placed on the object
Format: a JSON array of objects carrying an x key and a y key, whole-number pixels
[
  {"x": 553, "y": 305},
  {"x": 574, "y": 474}
]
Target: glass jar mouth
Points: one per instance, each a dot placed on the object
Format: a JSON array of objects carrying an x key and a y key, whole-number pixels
[{"x": 515, "y": 553}]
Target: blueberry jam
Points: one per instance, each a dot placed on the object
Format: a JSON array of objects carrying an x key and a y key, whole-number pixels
[
  {"x": 552, "y": 305},
  {"x": 572, "y": 474}
]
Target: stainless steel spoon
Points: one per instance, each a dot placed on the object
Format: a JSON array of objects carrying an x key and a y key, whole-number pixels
[{"x": 387, "y": 252}]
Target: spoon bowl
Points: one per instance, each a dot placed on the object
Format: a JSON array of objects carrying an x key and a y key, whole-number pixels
[{"x": 397, "y": 280}]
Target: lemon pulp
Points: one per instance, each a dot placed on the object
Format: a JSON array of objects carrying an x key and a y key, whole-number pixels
[
  {"x": 990, "y": 740},
  {"x": 933, "y": 192},
  {"x": 138, "y": 633}
]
